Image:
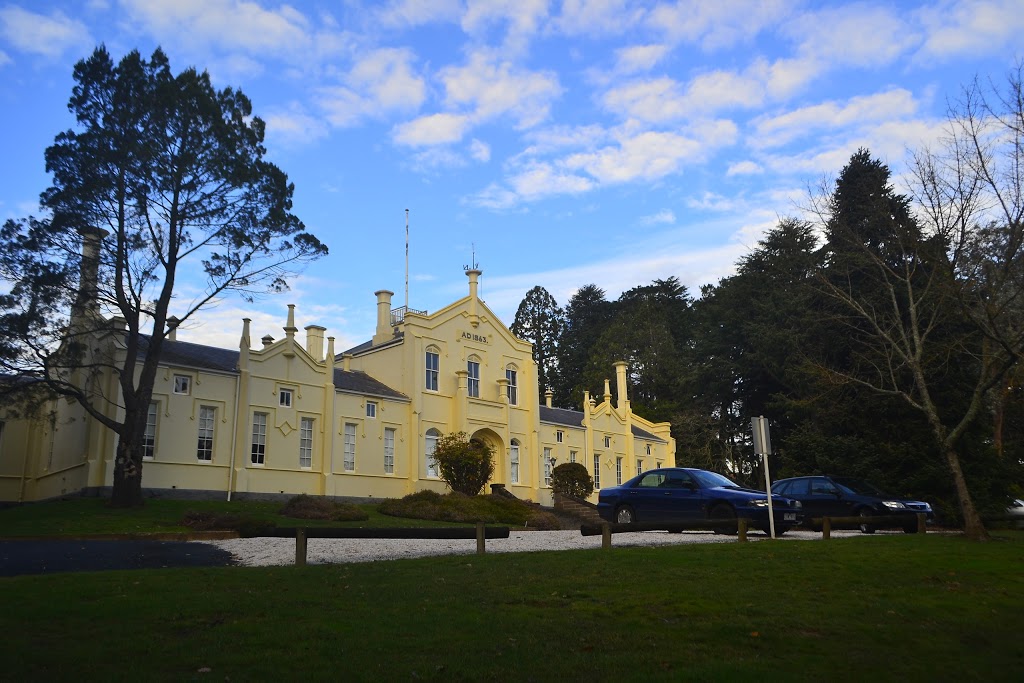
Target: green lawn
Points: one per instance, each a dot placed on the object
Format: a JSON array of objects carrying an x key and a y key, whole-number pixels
[{"x": 887, "y": 608}]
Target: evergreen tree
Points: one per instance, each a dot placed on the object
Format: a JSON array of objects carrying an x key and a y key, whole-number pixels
[
  {"x": 539, "y": 320},
  {"x": 586, "y": 316}
]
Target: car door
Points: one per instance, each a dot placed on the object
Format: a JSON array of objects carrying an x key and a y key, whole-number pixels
[
  {"x": 684, "y": 500},
  {"x": 648, "y": 497},
  {"x": 821, "y": 499}
]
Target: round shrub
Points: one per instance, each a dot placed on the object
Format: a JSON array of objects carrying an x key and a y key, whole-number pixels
[
  {"x": 316, "y": 507},
  {"x": 572, "y": 479},
  {"x": 465, "y": 465}
]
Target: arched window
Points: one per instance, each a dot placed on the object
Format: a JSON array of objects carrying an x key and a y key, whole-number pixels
[
  {"x": 432, "y": 362},
  {"x": 473, "y": 367},
  {"x": 428, "y": 450},
  {"x": 514, "y": 462},
  {"x": 512, "y": 390}
]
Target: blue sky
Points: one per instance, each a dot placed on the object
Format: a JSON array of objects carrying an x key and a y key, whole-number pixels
[{"x": 618, "y": 141}]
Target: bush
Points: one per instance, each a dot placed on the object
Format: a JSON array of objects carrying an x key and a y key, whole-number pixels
[
  {"x": 458, "y": 507},
  {"x": 543, "y": 521},
  {"x": 316, "y": 507},
  {"x": 572, "y": 479},
  {"x": 224, "y": 521},
  {"x": 464, "y": 465}
]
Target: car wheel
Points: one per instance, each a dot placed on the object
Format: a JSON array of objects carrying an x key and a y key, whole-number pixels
[
  {"x": 865, "y": 528},
  {"x": 625, "y": 515},
  {"x": 723, "y": 511}
]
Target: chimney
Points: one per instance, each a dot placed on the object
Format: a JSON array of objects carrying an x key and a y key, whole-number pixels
[
  {"x": 172, "y": 328},
  {"x": 346, "y": 362},
  {"x": 290, "y": 328},
  {"x": 267, "y": 340},
  {"x": 315, "y": 341},
  {"x": 474, "y": 280},
  {"x": 621, "y": 401},
  {"x": 385, "y": 332},
  {"x": 547, "y": 397},
  {"x": 607, "y": 391},
  {"x": 87, "y": 301}
]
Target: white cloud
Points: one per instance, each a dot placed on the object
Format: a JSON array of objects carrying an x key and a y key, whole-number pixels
[
  {"x": 47, "y": 35},
  {"x": 543, "y": 180},
  {"x": 480, "y": 151},
  {"x": 408, "y": 13},
  {"x": 662, "y": 99},
  {"x": 711, "y": 201},
  {"x": 971, "y": 28},
  {"x": 293, "y": 126},
  {"x": 744, "y": 168},
  {"x": 489, "y": 88},
  {"x": 890, "y": 105},
  {"x": 639, "y": 58},
  {"x": 227, "y": 24},
  {"x": 4, "y": 59},
  {"x": 593, "y": 18},
  {"x": 665, "y": 217},
  {"x": 647, "y": 156},
  {"x": 435, "y": 129},
  {"x": 520, "y": 18},
  {"x": 717, "y": 25},
  {"x": 380, "y": 83},
  {"x": 859, "y": 35}
]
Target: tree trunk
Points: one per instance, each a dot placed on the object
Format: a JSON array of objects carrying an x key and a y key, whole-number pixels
[
  {"x": 973, "y": 528},
  {"x": 127, "y": 491}
]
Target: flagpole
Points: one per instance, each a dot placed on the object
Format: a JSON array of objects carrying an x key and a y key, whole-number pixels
[{"x": 407, "y": 260}]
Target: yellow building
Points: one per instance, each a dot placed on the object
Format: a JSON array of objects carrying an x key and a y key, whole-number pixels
[{"x": 290, "y": 416}]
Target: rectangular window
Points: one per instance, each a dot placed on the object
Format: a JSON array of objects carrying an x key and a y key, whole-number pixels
[
  {"x": 648, "y": 449},
  {"x": 513, "y": 389},
  {"x": 618, "y": 471},
  {"x": 433, "y": 363},
  {"x": 639, "y": 466},
  {"x": 306, "y": 442},
  {"x": 547, "y": 467},
  {"x": 350, "y": 448},
  {"x": 572, "y": 456},
  {"x": 182, "y": 384},
  {"x": 558, "y": 436},
  {"x": 431, "y": 445},
  {"x": 371, "y": 409},
  {"x": 597, "y": 472},
  {"x": 607, "y": 442},
  {"x": 149, "y": 436},
  {"x": 259, "y": 438},
  {"x": 474, "y": 378},
  {"x": 389, "y": 451},
  {"x": 204, "y": 449},
  {"x": 284, "y": 398},
  {"x": 514, "y": 463}
]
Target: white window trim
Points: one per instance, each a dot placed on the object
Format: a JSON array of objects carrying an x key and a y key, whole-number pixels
[
  {"x": 514, "y": 462},
  {"x": 371, "y": 410},
  {"x": 259, "y": 438},
  {"x": 286, "y": 398},
  {"x": 211, "y": 430},
  {"x": 429, "y": 444},
  {"x": 432, "y": 375},
  {"x": 473, "y": 380},
  {"x": 390, "y": 433},
  {"x": 150, "y": 433},
  {"x": 186, "y": 380},
  {"x": 349, "y": 463},
  {"x": 306, "y": 442}
]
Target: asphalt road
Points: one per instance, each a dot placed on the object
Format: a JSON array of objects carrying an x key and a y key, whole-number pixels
[{"x": 52, "y": 556}]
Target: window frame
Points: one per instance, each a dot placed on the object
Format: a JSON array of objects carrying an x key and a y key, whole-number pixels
[
  {"x": 285, "y": 398},
  {"x": 348, "y": 463},
  {"x": 207, "y": 424},
  {"x": 258, "y": 446},
  {"x": 371, "y": 410},
  {"x": 432, "y": 374},
  {"x": 607, "y": 441},
  {"x": 149, "y": 433},
  {"x": 547, "y": 466},
  {"x": 558, "y": 436},
  {"x": 473, "y": 377},
  {"x": 597, "y": 472},
  {"x": 306, "y": 425},
  {"x": 572, "y": 456},
  {"x": 512, "y": 388},
  {"x": 513, "y": 461},
  {"x": 618, "y": 471},
  {"x": 429, "y": 446},
  {"x": 186, "y": 381},
  {"x": 389, "y": 449}
]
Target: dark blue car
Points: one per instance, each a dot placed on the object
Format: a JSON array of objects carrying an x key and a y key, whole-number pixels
[
  {"x": 676, "y": 495},
  {"x": 828, "y": 496}
]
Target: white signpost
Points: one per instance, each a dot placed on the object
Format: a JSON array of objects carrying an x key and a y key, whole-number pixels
[{"x": 763, "y": 446}]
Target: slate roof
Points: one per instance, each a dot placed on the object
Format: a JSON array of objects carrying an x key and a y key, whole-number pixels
[
  {"x": 194, "y": 355},
  {"x": 359, "y": 382},
  {"x": 205, "y": 357},
  {"x": 574, "y": 418}
]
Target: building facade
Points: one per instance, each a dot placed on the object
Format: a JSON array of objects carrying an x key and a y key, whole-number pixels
[{"x": 291, "y": 415}]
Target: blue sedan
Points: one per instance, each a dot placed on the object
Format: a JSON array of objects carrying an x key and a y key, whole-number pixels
[{"x": 677, "y": 495}]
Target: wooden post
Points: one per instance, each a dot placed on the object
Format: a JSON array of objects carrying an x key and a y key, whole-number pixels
[
  {"x": 606, "y": 536},
  {"x": 481, "y": 545},
  {"x": 741, "y": 529},
  {"x": 826, "y": 528},
  {"x": 300, "y": 547},
  {"x": 922, "y": 526}
]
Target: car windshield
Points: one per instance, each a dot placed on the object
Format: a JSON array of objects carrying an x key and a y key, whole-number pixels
[
  {"x": 857, "y": 487},
  {"x": 712, "y": 479}
]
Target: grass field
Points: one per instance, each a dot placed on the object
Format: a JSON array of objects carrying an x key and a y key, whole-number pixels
[{"x": 892, "y": 607}]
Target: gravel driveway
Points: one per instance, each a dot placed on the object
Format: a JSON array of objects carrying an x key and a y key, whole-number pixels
[{"x": 255, "y": 552}]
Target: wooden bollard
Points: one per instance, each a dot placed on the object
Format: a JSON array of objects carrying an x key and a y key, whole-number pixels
[
  {"x": 300, "y": 547},
  {"x": 741, "y": 529},
  {"x": 922, "y": 525},
  {"x": 481, "y": 545},
  {"x": 826, "y": 529},
  {"x": 606, "y": 535}
]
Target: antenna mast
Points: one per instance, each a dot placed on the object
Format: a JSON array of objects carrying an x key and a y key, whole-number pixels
[{"x": 407, "y": 259}]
